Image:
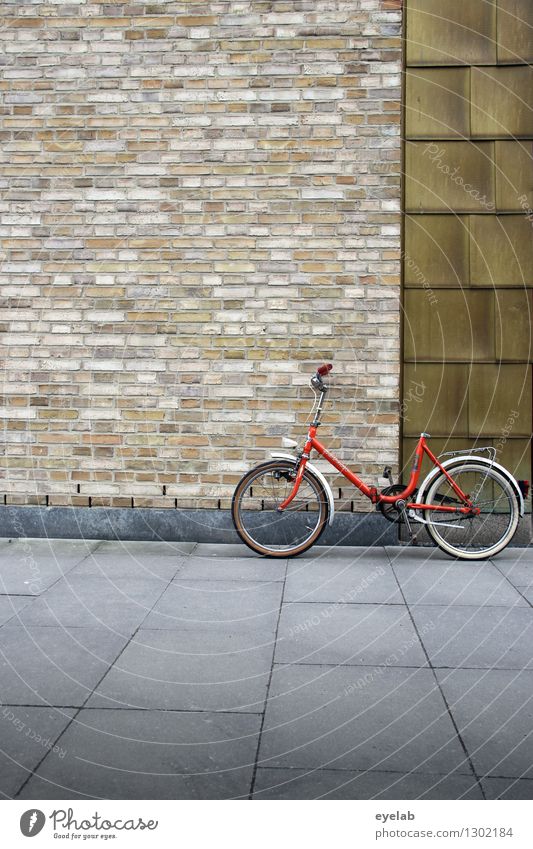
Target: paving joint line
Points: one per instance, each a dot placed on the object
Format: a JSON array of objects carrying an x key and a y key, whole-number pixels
[
  {"x": 81, "y": 707},
  {"x": 403, "y": 666},
  {"x": 143, "y": 709},
  {"x": 267, "y": 693},
  {"x": 60, "y": 578},
  {"x": 516, "y": 589},
  {"x": 371, "y": 769},
  {"x": 454, "y": 724}
]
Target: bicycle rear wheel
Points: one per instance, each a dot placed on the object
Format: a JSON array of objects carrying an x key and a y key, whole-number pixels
[
  {"x": 473, "y": 537},
  {"x": 255, "y": 516}
]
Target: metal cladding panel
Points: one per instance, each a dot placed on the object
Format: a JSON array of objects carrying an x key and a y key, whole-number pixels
[
  {"x": 497, "y": 392},
  {"x": 437, "y": 103},
  {"x": 514, "y": 177},
  {"x": 435, "y": 399},
  {"x": 436, "y": 251},
  {"x": 513, "y": 323},
  {"x": 457, "y": 326},
  {"x": 501, "y": 251},
  {"x": 515, "y": 31},
  {"x": 502, "y": 101},
  {"x": 455, "y": 32},
  {"x": 449, "y": 176}
]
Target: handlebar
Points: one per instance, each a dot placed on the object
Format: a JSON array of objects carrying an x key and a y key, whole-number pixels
[{"x": 325, "y": 369}]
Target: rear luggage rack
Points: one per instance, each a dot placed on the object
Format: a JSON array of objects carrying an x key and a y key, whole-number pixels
[{"x": 488, "y": 449}]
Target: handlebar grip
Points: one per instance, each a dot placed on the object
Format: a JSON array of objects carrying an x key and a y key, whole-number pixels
[{"x": 325, "y": 369}]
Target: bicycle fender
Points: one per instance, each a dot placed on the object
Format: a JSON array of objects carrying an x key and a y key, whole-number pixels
[
  {"x": 278, "y": 455},
  {"x": 476, "y": 458}
]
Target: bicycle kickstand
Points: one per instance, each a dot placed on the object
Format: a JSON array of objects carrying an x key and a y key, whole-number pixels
[{"x": 402, "y": 507}]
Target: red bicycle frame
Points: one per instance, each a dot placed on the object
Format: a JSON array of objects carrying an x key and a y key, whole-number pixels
[{"x": 372, "y": 492}]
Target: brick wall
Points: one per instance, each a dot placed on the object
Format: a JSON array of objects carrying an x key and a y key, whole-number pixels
[{"x": 200, "y": 201}]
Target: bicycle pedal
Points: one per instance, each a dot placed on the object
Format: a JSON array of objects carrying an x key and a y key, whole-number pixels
[{"x": 387, "y": 474}]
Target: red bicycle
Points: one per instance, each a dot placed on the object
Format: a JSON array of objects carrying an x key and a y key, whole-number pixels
[{"x": 469, "y": 504}]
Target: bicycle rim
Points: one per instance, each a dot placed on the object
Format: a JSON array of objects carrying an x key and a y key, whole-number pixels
[
  {"x": 255, "y": 516},
  {"x": 481, "y": 536}
]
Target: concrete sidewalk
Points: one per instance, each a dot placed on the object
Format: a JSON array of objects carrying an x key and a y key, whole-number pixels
[{"x": 168, "y": 670}]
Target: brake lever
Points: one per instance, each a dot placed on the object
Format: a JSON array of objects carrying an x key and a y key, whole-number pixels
[{"x": 317, "y": 383}]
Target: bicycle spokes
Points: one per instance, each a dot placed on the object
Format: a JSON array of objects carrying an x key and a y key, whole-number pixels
[
  {"x": 488, "y": 526},
  {"x": 263, "y": 526}
]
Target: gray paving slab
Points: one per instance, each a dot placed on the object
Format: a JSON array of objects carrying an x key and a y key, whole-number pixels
[
  {"x": 215, "y": 549},
  {"x": 508, "y": 788},
  {"x": 485, "y": 637},
  {"x": 416, "y": 554},
  {"x": 11, "y": 606},
  {"x": 119, "y": 754},
  {"x": 203, "y": 605},
  {"x": 515, "y": 554},
  {"x": 346, "y": 553},
  {"x": 52, "y": 547},
  {"x": 352, "y": 712},
  {"x": 53, "y": 665},
  {"x": 27, "y": 734},
  {"x": 116, "y": 566},
  {"x": 189, "y": 670},
  {"x": 368, "y": 578},
  {"x": 457, "y": 583},
  {"x": 517, "y": 565},
  {"x": 142, "y": 550},
  {"x": 93, "y": 601},
  {"x": 353, "y": 718},
  {"x": 354, "y": 634},
  {"x": 372, "y": 784},
  {"x": 232, "y": 569},
  {"x": 494, "y": 713},
  {"x": 29, "y": 567}
]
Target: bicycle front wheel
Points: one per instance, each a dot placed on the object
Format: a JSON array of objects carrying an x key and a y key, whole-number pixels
[
  {"x": 473, "y": 537},
  {"x": 254, "y": 510}
]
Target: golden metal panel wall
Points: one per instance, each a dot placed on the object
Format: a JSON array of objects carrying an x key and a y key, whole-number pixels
[
  {"x": 502, "y": 101},
  {"x": 459, "y": 326},
  {"x": 501, "y": 251},
  {"x": 448, "y": 176},
  {"x": 515, "y": 31},
  {"x": 468, "y": 234},
  {"x": 453, "y": 32},
  {"x": 436, "y": 250},
  {"x": 437, "y": 103},
  {"x": 514, "y": 176},
  {"x": 513, "y": 326},
  {"x": 495, "y": 392}
]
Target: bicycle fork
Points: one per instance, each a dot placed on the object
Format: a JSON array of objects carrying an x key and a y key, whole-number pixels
[{"x": 299, "y": 476}]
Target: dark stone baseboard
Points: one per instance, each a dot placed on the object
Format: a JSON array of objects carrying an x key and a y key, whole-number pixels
[{"x": 144, "y": 523}]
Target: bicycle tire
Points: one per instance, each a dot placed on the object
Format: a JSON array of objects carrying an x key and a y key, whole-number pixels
[
  {"x": 481, "y": 536},
  {"x": 273, "y": 534}
]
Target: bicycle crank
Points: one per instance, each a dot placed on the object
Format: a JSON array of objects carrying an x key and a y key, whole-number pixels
[{"x": 391, "y": 511}]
